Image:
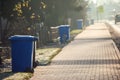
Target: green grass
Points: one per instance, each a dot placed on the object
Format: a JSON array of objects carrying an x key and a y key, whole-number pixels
[
  {"x": 16, "y": 76},
  {"x": 75, "y": 31},
  {"x": 44, "y": 56}
]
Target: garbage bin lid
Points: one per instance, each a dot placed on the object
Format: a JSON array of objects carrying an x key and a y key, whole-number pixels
[
  {"x": 63, "y": 26},
  {"x": 79, "y": 19},
  {"x": 23, "y": 37}
]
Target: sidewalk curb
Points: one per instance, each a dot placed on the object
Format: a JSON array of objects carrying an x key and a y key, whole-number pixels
[{"x": 115, "y": 30}]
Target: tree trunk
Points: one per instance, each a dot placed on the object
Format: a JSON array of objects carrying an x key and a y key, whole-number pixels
[
  {"x": 0, "y": 61},
  {"x": 0, "y": 31},
  {"x": 4, "y": 33}
]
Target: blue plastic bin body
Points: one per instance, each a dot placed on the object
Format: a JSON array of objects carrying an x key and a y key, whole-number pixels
[
  {"x": 22, "y": 52},
  {"x": 64, "y": 33},
  {"x": 87, "y": 23},
  {"x": 80, "y": 23},
  {"x": 92, "y": 21}
]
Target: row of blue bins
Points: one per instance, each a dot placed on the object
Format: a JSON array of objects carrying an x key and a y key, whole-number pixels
[
  {"x": 64, "y": 30},
  {"x": 23, "y": 46},
  {"x": 89, "y": 22}
]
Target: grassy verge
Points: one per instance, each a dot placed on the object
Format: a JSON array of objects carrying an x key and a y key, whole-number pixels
[
  {"x": 75, "y": 31},
  {"x": 44, "y": 56},
  {"x": 16, "y": 76}
]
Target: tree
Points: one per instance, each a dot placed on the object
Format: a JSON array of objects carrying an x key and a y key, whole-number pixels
[
  {"x": 6, "y": 12},
  {"x": 18, "y": 16},
  {"x": 57, "y": 11}
]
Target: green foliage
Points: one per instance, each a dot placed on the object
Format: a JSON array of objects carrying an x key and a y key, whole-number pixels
[
  {"x": 32, "y": 10},
  {"x": 20, "y": 15},
  {"x": 76, "y": 31},
  {"x": 57, "y": 11}
]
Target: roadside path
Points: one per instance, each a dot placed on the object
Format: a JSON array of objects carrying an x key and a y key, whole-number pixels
[{"x": 92, "y": 55}]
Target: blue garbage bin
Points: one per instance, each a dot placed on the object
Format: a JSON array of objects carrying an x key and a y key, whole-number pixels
[
  {"x": 80, "y": 23},
  {"x": 64, "y": 33},
  {"x": 22, "y": 47},
  {"x": 87, "y": 22},
  {"x": 92, "y": 21}
]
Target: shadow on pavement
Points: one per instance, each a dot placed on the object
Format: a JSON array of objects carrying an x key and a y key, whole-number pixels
[
  {"x": 94, "y": 38},
  {"x": 86, "y": 62}
]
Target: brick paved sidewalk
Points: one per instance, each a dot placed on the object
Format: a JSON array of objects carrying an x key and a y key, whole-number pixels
[{"x": 91, "y": 56}]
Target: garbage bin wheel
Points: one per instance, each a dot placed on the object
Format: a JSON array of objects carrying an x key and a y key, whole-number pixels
[
  {"x": 35, "y": 64},
  {"x": 29, "y": 70}
]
